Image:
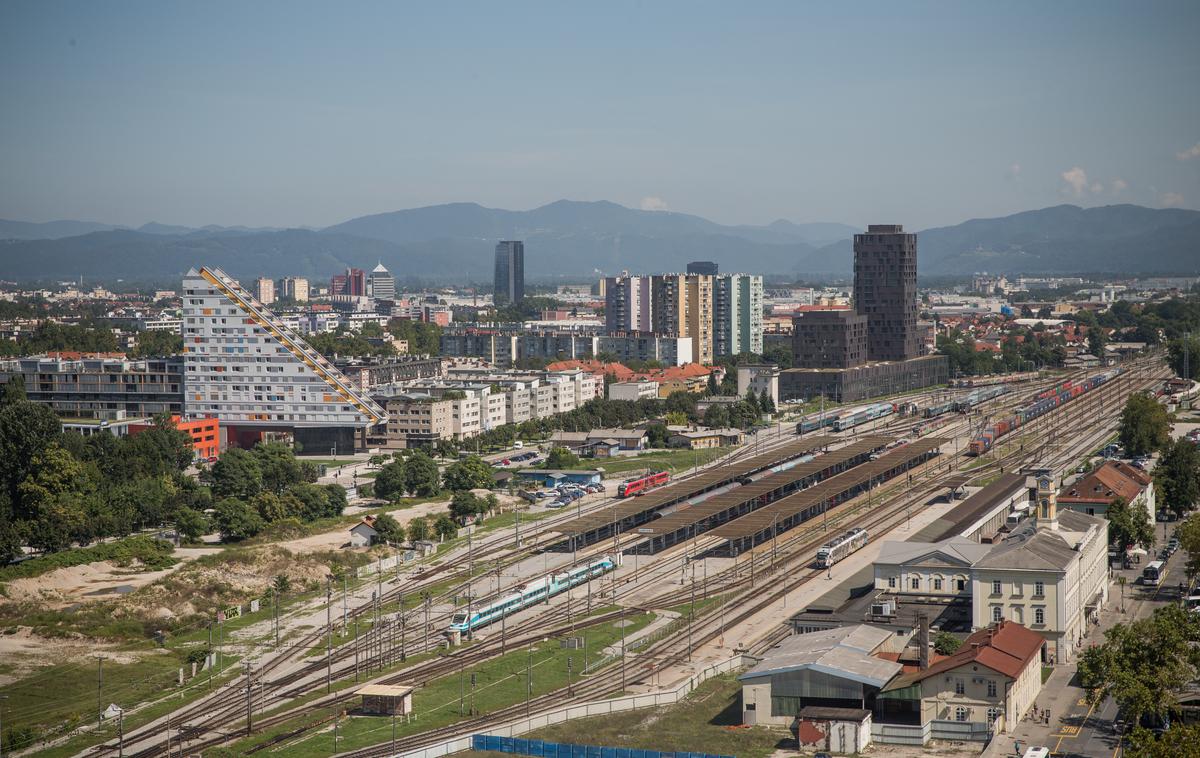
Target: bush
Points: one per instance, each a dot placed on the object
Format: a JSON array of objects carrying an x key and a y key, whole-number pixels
[
  {"x": 153, "y": 553},
  {"x": 946, "y": 643}
]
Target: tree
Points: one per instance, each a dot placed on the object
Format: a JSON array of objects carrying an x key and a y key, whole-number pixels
[
  {"x": 190, "y": 525},
  {"x": 466, "y": 504},
  {"x": 161, "y": 449},
  {"x": 444, "y": 527},
  {"x": 278, "y": 466},
  {"x": 1189, "y": 540},
  {"x": 26, "y": 429},
  {"x": 1181, "y": 739},
  {"x": 716, "y": 416},
  {"x": 1144, "y": 665},
  {"x": 1184, "y": 350},
  {"x": 390, "y": 482},
  {"x": 421, "y": 475},
  {"x": 781, "y": 355},
  {"x": 14, "y": 391},
  {"x": 389, "y": 529},
  {"x": 1128, "y": 526},
  {"x": 236, "y": 520},
  {"x": 418, "y": 529},
  {"x": 713, "y": 387},
  {"x": 766, "y": 402},
  {"x": 752, "y": 401},
  {"x": 1096, "y": 340},
  {"x": 156, "y": 343},
  {"x": 561, "y": 458},
  {"x": 1145, "y": 426},
  {"x": 468, "y": 474},
  {"x": 676, "y": 418},
  {"x": 681, "y": 400},
  {"x": 271, "y": 507},
  {"x": 945, "y": 643},
  {"x": 237, "y": 474},
  {"x": 1178, "y": 476}
]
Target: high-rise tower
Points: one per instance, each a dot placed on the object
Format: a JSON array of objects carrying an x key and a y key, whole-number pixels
[
  {"x": 510, "y": 272},
  {"x": 383, "y": 284},
  {"x": 885, "y": 291}
]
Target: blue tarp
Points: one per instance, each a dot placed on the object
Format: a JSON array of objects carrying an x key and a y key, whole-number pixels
[{"x": 518, "y": 746}]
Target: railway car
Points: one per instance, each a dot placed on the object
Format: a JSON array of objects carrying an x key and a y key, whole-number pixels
[
  {"x": 1040, "y": 404},
  {"x": 642, "y": 484},
  {"x": 841, "y": 546},
  {"x": 937, "y": 409},
  {"x": 814, "y": 423},
  {"x": 531, "y": 594},
  {"x": 851, "y": 419},
  {"x": 979, "y": 396}
]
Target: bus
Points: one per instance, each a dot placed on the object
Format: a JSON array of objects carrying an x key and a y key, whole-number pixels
[{"x": 1153, "y": 574}]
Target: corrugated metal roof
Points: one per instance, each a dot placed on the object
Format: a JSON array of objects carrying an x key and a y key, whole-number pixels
[{"x": 843, "y": 652}]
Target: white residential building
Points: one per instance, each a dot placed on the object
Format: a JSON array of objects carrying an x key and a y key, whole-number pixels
[{"x": 246, "y": 368}]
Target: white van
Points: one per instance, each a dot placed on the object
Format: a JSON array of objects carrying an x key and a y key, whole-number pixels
[
  {"x": 1037, "y": 752},
  {"x": 518, "y": 445}
]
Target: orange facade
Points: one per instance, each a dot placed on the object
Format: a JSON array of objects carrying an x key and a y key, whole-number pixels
[{"x": 205, "y": 434}]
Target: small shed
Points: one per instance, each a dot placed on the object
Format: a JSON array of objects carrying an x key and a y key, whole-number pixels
[
  {"x": 836, "y": 730},
  {"x": 363, "y": 533},
  {"x": 386, "y": 700}
]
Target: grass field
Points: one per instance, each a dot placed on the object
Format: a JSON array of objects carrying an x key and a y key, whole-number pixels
[
  {"x": 674, "y": 461},
  {"x": 499, "y": 682},
  {"x": 708, "y": 721}
]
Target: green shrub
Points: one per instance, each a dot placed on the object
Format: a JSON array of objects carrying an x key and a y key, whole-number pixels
[{"x": 153, "y": 553}]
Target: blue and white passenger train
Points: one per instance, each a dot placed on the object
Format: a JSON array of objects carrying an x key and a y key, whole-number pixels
[{"x": 531, "y": 593}]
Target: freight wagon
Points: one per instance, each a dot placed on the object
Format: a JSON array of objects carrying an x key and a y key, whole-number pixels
[{"x": 1039, "y": 404}]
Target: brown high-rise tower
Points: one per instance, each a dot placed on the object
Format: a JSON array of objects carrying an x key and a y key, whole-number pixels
[{"x": 885, "y": 291}]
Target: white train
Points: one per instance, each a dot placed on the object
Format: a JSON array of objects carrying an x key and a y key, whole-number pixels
[
  {"x": 532, "y": 593},
  {"x": 841, "y": 546}
]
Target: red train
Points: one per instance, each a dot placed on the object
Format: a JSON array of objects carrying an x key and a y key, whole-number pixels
[{"x": 642, "y": 485}]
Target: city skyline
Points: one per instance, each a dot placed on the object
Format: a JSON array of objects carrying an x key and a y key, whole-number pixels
[{"x": 124, "y": 118}]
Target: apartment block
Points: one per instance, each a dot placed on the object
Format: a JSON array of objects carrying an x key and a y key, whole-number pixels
[
  {"x": 682, "y": 306},
  {"x": 672, "y": 351},
  {"x": 264, "y": 290},
  {"x": 101, "y": 388},
  {"x": 627, "y": 303},
  {"x": 737, "y": 314},
  {"x": 245, "y": 367},
  {"x": 294, "y": 288}
]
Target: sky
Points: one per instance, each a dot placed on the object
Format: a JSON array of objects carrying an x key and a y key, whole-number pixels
[{"x": 308, "y": 114}]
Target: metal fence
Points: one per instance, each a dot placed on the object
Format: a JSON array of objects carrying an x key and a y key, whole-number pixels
[{"x": 518, "y": 746}]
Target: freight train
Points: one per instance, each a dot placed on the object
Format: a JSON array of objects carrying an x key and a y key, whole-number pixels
[
  {"x": 1041, "y": 403},
  {"x": 531, "y": 594},
  {"x": 840, "y": 547},
  {"x": 642, "y": 484}
]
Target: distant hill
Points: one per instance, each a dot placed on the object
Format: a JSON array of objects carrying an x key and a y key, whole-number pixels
[
  {"x": 30, "y": 230},
  {"x": 564, "y": 239}
]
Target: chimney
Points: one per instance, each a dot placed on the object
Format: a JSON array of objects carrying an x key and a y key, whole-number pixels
[{"x": 923, "y": 641}]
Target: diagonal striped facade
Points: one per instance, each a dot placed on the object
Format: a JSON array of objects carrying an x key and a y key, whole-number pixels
[{"x": 244, "y": 366}]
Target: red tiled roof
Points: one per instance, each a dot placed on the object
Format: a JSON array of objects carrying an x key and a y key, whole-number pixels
[
  {"x": 1006, "y": 648},
  {"x": 1112, "y": 480},
  {"x": 619, "y": 370}
]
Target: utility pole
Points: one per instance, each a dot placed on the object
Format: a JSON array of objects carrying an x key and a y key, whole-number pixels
[
  {"x": 343, "y": 605},
  {"x": 120, "y": 733},
  {"x": 99, "y": 691},
  {"x": 329, "y": 640},
  {"x": 529, "y": 680},
  {"x": 357, "y": 641},
  {"x": 212, "y": 659},
  {"x": 275, "y": 604},
  {"x": 249, "y": 702}
]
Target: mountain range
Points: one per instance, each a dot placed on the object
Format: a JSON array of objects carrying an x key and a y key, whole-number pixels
[{"x": 570, "y": 239}]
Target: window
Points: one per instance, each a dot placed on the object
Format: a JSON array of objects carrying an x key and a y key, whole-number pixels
[
  {"x": 1039, "y": 616},
  {"x": 993, "y": 714},
  {"x": 915, "y": 583},
  {"x": 962, "y": 585},
  {"x": 937, "y": 584},
  {"x": 892, "y": 582},
  {"x": 960, "y": 687},
  {"x": 961, "y": 713},
  {"x": 997, "y": 613},
  {"x": 1039, "y": 589},
  {"x": 995, "y": 586},
  {"x": 991, "y": 688}
]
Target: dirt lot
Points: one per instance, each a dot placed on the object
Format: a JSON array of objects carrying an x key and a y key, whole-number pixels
[{"x": 92, "y": 581}]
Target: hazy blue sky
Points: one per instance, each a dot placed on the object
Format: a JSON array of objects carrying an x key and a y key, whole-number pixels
[{"x": 288, "y": 113}]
